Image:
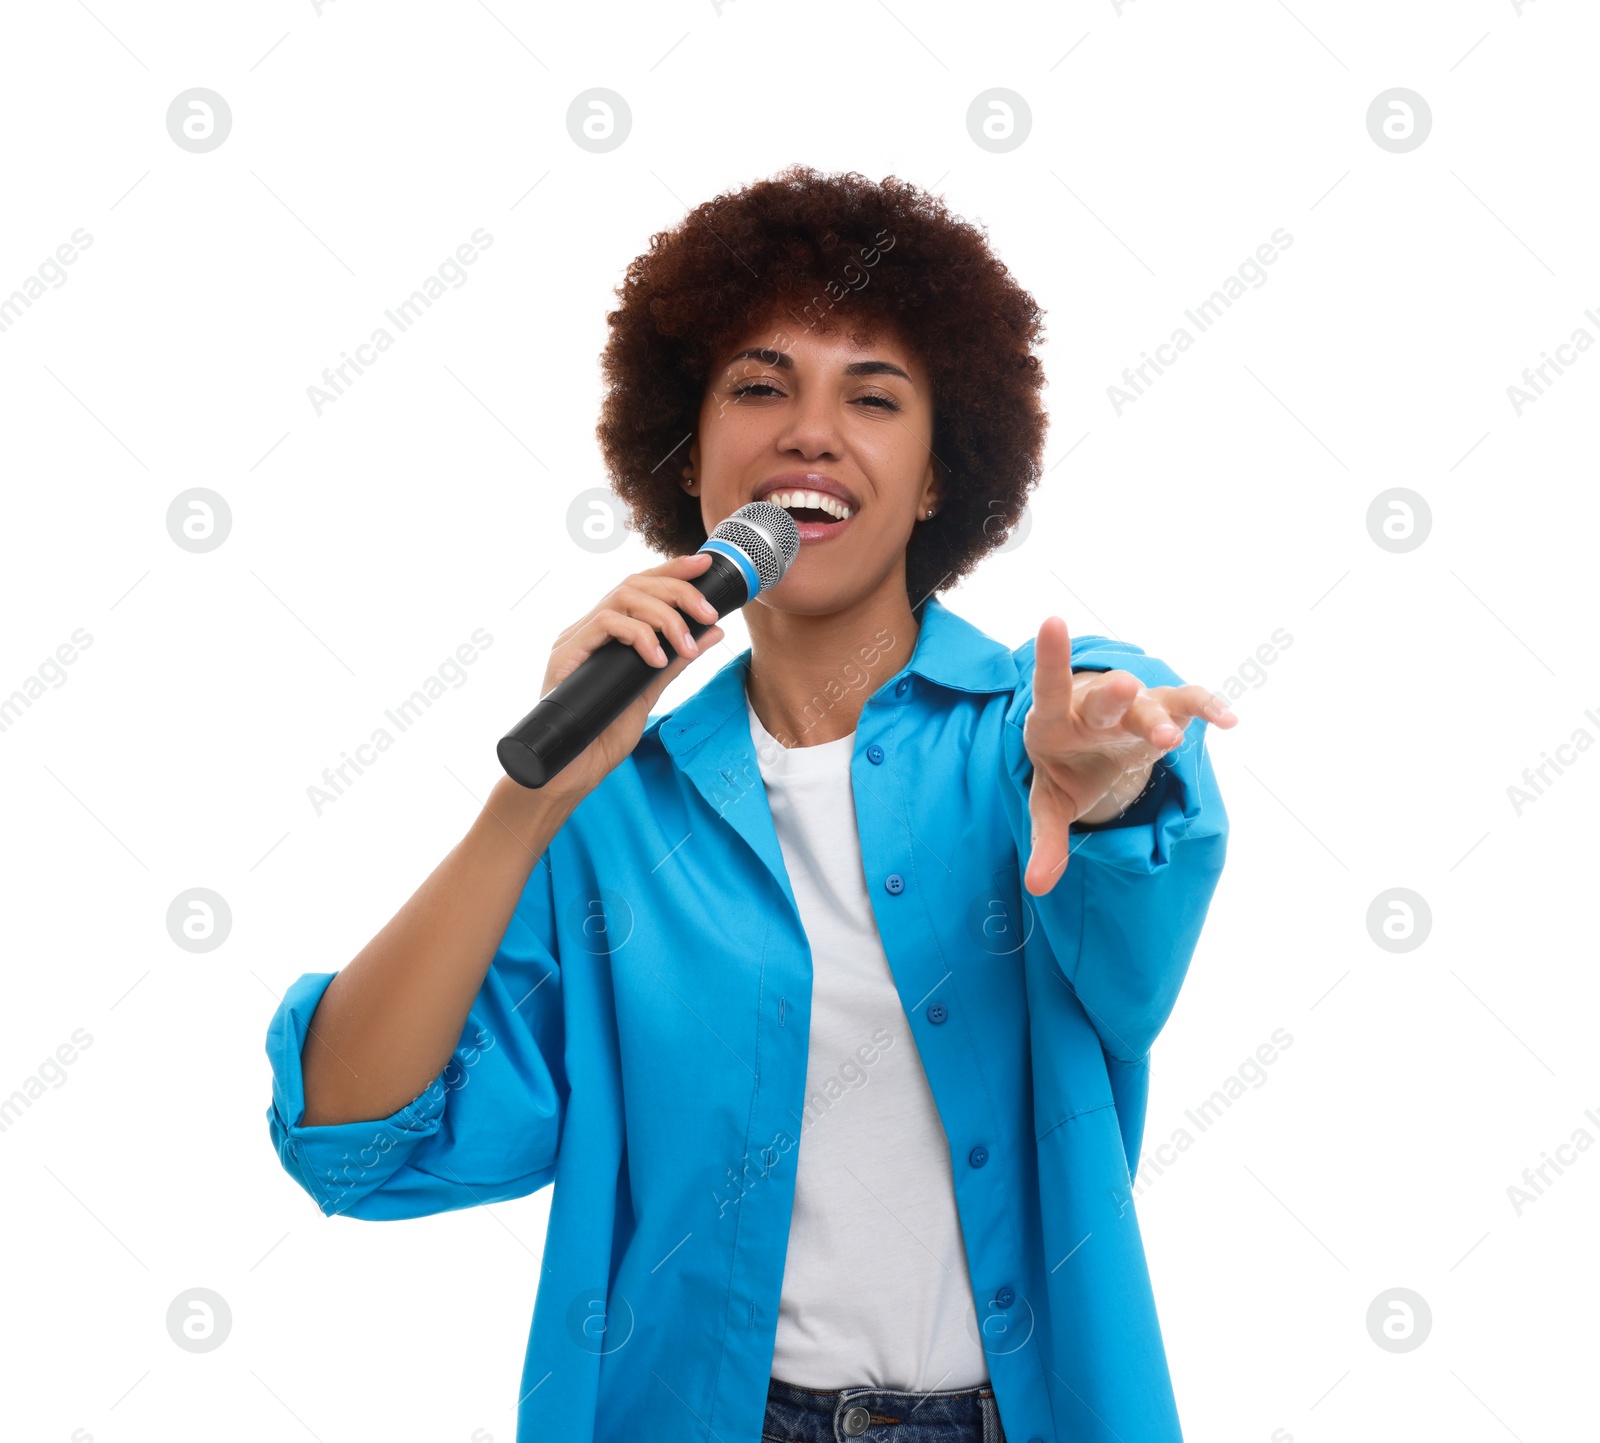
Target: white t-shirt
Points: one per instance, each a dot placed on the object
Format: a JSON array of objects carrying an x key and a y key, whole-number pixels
[{"x": 876, "y": 1291}]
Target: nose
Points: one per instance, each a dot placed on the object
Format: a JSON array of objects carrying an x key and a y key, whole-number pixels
[{"x": 810, "y": 427}]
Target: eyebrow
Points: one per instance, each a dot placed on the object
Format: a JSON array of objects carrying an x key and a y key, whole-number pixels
[{"x": 768, "y": 357}]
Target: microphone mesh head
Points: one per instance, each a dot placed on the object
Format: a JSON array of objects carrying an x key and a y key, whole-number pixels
[{"x": 767, "y": 535}]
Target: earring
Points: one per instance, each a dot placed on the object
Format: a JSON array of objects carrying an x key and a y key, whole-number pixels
[{"x": 930, "y": 513}]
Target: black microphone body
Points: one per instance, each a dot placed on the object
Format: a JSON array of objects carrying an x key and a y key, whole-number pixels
[{"x": 581, "y": 706}]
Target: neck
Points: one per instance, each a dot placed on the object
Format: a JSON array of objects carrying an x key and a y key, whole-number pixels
[{"x": 810, "y": 676}]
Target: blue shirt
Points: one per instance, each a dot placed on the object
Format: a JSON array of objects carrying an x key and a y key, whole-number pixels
[{"x": 640, "y": 1040}]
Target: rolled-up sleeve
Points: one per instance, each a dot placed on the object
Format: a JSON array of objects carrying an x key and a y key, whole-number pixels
[
  {"x": 1125, "y": 915},
  {"x": 487, "y": 1128}
]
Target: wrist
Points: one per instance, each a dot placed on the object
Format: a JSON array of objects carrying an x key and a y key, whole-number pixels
[{"x": 531, "y": 814}]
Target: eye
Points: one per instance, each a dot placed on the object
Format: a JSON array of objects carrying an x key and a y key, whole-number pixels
[{"x": 874, "y": 400}]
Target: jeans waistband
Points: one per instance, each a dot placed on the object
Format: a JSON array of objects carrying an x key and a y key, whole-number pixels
[{"x": 797, "y": 1414}]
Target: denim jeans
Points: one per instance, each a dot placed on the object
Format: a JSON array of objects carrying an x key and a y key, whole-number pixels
[{"x": 880, "y": 1415}]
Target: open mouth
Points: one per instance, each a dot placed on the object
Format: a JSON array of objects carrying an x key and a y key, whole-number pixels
[{"x": 814, "y": 508}]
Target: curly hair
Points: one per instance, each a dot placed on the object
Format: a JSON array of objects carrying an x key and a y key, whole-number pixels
[{"x": 817, "y": 248}]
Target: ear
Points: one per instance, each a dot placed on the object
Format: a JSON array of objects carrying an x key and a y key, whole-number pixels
[
  {"x": 932, "y": 493},
  {"x": 690, "y": 476}
]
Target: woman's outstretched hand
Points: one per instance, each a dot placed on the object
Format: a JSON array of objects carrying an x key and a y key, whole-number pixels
[{"x": 1093, "y": 738}]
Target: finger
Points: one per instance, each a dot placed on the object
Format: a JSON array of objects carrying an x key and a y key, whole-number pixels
[
  {"x": 638, "y": 599},
  {"x": 1052, "y": 668},
  {"x": 609, "y": 623},
  {"x": 1197, "y": 701},
  {"x": 663, "y": 679},
  {"x": 1183, "y": 703},
  {"x": 694, "y": 602},
  {"x": 681, "y": 594},
  {"x": 1103, "y": 701},
  {"x": 1149, "y": 720},
  {"x": 1050, "y": 843},
  {"x": 690, "y": 564}
]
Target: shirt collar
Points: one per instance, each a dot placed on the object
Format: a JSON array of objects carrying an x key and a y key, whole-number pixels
[{"x": 950, "y": 651}]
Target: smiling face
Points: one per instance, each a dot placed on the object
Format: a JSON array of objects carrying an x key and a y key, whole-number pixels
[{"x": 836, "y": 429}]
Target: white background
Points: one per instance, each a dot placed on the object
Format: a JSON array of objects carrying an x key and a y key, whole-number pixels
[{"x": 367, "y": 543}]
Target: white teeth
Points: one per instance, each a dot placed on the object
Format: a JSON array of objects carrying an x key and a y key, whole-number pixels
[{"x": 794, "y": 500}]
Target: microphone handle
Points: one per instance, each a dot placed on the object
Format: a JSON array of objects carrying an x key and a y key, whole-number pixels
[{"x": 581, "y": 706}]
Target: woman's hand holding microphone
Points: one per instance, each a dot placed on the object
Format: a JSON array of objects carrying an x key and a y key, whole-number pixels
[{"x": 654, "y": 600}]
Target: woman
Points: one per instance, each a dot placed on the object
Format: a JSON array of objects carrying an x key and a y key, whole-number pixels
[{"x": 840, "y": 1122}]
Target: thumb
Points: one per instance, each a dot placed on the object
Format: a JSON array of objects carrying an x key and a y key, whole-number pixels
[{"x": 1049, "y": 843}]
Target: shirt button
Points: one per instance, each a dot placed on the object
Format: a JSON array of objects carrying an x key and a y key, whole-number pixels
[
  {"x": 875, "y": 754},
  {"x": 1005, "y": 1297},
  {"x": 978, "y": 1156},
  {"x": 937, "y": 1012},
  {"x": 855, "y": 1421},
  {"x": 902, "y": 686},
  {"x": 895, "y": 883}
]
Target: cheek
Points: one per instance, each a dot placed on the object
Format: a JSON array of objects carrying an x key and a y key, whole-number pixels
[
  {"x": 732, "y": 432},
  {"x": 896, "y": 457}
]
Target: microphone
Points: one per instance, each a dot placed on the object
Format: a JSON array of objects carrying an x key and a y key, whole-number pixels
[{"x": 751, "y": 551}]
